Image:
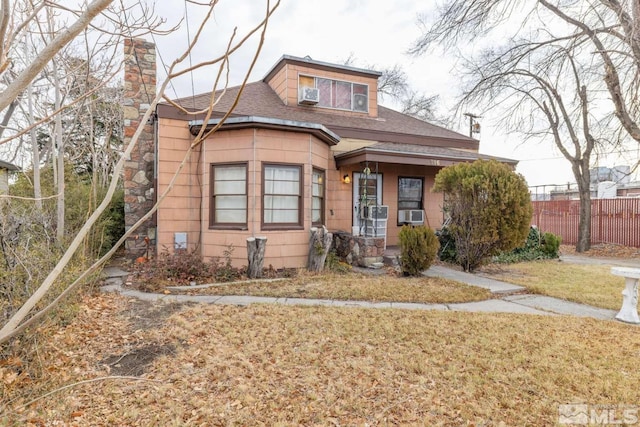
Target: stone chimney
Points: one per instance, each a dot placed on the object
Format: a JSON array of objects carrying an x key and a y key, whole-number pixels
[{"x": 139, "y": 170}]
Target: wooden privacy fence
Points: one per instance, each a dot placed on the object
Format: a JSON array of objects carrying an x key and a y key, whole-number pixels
[{"x": 612, "y": 220}]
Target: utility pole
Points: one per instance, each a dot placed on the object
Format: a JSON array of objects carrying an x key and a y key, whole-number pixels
[{"x": 474, "y": 126}]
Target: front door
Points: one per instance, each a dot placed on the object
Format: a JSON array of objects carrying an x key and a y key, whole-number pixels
[{"x": 367, "y": 191}]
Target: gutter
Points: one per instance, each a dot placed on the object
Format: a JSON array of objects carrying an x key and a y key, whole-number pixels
[{"x": 317, "y": 129}]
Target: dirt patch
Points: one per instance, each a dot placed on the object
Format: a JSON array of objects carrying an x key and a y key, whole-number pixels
[
  {"x": 146, "y": 315},
  {"x": 133, "y": 363}
]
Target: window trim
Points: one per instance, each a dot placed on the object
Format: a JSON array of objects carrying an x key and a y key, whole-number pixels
[
  {"x": 283, "y": 225},
  {"x": 352, "y": 109},
  {"x": 421, "y": 178},
  {"x": 323, "y": 197},
  {"x": 227, "y": 225}
]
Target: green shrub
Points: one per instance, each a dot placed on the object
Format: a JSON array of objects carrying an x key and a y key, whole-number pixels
[
  {"x": 334, "y": 264},
  {"x": 418, "y": 248},
  {"x": 490, "y": 209},
  {"x": 551, "y": 244},
  {"x": 447, "y": 251},
  {"x": 538, "y": 246}
]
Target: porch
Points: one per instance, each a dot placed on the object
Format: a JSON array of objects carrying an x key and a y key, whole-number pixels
[{"x": 363, "y": 251}]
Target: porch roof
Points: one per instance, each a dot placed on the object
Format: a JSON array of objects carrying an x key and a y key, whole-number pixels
[{"x": 409, "y": 154}]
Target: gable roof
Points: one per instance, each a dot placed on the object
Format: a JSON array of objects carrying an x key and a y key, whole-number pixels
[
  {"x": 258, "y": 99},
  {"x": 318, "y": 65}
]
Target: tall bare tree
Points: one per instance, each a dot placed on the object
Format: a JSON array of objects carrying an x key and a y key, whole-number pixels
[
  {"x": 552, "y": 63},
  {"x": 611, "y": 28}
]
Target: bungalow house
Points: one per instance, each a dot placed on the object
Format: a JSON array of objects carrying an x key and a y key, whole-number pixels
[{"x": 306, "y": 146}]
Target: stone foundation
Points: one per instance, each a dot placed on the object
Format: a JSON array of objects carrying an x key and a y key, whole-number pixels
[{"x": 356, "y": 250}]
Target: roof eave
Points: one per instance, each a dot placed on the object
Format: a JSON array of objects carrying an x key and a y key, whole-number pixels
[
  {"x": 288, "y": 59},
  {"x": 243, "y": 122},
  {"x": 409, "y": 158},
  {"x": 384, "y": 136}
]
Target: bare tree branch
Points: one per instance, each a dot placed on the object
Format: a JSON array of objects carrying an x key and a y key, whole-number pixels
[{"x": 28, "y": 74}]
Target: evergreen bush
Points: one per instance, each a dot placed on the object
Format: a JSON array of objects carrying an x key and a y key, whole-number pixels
[
  {"x": 418, "y": 249},
  {"x": 538, "y": 246},
  {"x": 490, "y": 209}
]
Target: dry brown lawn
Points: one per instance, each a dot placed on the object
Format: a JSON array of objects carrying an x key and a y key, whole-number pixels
[
  {"x": 587, "y": 284},
  {"x": 354, "y": 286},
  {"x": 169, "y": 365}
]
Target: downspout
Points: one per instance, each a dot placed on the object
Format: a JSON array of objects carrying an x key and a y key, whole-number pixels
[
  {"x": 253, "y": 201},
  {"x": 310, "y": 185},
  {"x": 204, "y": 219},
  {"x": 156, "y": 151}
]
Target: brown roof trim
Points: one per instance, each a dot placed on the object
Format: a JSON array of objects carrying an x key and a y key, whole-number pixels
[
  {"x": 243, "y": 122},
  {"x": 375, "y": 135},
  {"x": 371, "y": 154},
  {"x": 318, "y": 65}
]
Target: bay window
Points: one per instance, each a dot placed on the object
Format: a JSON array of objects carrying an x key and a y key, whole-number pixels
[
  {"x": 317, "y": 197},
  {"x": 228, "y": 195},
  {"x": 282, "y": 196}
]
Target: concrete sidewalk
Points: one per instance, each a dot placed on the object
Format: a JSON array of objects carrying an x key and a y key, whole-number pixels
[{"x": 509, "y": 298}]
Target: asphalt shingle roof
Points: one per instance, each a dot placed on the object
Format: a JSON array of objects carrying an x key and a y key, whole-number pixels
[{"x": 258, "y": 99}]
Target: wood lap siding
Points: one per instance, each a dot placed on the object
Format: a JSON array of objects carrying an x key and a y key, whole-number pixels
[{"x": 612, "y": 220}]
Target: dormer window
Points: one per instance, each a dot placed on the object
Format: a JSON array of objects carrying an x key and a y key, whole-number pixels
[{"x": 337, "y": 94}]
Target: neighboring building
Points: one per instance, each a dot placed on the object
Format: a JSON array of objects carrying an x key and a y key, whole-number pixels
[
  {"x": 5, "y": 168},
  {"x": 306, "y": 146},
  {"x": 606, "y": 183}
]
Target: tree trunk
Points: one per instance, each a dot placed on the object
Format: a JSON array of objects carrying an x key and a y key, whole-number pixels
[
  {"x": 584, "y": 223},
  {"x": 59, "y": 150},
  {"x": 35, "y": 151},
  {"x": 255, "y": 255},
  {"x": 319, "y": 245}
]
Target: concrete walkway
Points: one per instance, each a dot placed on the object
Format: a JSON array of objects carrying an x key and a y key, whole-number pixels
[
  {"x": 508, "y": 298},
  {"x": 613, "y": 262}
]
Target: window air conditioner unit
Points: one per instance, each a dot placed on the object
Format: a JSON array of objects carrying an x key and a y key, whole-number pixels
[
  {"x": 308, "y": 95},
  {"x": 374, "y": 212},
  {"x": 411, "y": 216},
  {"x": 360, "y": 102}
]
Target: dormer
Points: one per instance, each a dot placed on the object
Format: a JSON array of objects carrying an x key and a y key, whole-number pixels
[{"x": 327, "y": 88}]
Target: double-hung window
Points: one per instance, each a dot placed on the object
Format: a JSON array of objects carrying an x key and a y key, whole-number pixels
[
  {"x": 228, "y": 195},
  {"x": 282, "y": 196},
  {"x": 317, "y": 197},
  {"x": 410, "y": 193}
]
